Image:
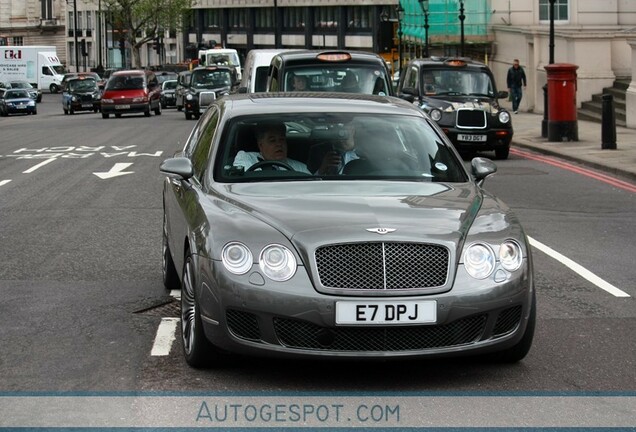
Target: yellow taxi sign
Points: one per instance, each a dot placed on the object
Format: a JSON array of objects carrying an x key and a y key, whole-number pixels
[{"x": 334, "y": 57}]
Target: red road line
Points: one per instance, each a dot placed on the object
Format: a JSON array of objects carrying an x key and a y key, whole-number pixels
[{"x": 576, "y": 169}]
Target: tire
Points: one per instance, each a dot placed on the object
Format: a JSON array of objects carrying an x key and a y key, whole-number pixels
[
  {"x": 197, "y": 349},
  {"x": 54, "y": 88},
  {"x": 35, "y": 112},
  {"x": 105, "y": 115},
  {"x": 147, "y": 111},
  {"x": 520, "y": 350},
  {"x": 170, "y": 276},
  {"x": 502, "y": 152},
  {"x": 188, "y": 116},
  {"x": 65, "y": 111},
  {"x": 179, "y": 108},
  {"x": 71, "y": 111},
  {"x": 117, "y": 115},
  {"x": 158, "y": 110}
]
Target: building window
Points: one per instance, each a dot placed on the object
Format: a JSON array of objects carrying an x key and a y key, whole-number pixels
[
  {"x": 237, "y": 18},
  {"x": 18, "y": 40},
  {"x": 71, "y": 51},
  {"x": 560, "y": 10},
  {"x": 89, "y": 23},
  {"x": 359, "y": 17},
  {"x": 80, "y": 20},
  {"x": 212, "y": 19},
  {"x": 294, "y": 18},
  {"x": 264, "y": 19},
  {"x": 326, "y": 19}
]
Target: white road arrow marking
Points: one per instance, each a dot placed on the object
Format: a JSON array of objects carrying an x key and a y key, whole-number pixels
[
  {"x": 116, "y": 171},
  {"x": 41, "y": 164},
  {"x": 4, "y": 182}
]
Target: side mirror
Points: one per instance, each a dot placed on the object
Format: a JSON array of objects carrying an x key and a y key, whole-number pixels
[
  {"x": 482, "y": 168},
  {"x": 178, "y": 166}
]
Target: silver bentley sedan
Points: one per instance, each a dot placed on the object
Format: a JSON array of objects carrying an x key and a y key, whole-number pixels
[{"x": 339, "y": 225}]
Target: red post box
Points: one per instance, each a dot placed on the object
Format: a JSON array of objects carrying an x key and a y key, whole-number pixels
[{"x": 562, "y": 123}]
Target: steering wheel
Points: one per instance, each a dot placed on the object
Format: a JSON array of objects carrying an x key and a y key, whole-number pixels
[{"x": 269, "y": 163}]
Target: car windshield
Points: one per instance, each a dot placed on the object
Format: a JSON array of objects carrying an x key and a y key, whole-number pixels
[
  {"x": 336, "y": 147},
  {"x": 21, "y": 85},
  {"x": 16, "y": 94},
  {"x": 170, "y": 85},
  {"x": 82, "y": 85},
  {"x": 337, "y": 78},
  {"x": 211, "y": 79},
  {"x": 457, "y": 82},
  {"x": 225, "y": 59},
  {"x": 125, "y": 82}
]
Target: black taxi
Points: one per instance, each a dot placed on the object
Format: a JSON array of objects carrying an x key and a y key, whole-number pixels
[
  {"x": 460, "y": 94},
  {"x": 329, "y": 71},
  {"x": 205, "y": 84},
  {"x": 80, "y": 93}
]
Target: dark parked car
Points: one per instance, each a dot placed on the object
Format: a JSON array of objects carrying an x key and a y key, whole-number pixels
[
  {"x": 206, "y": 84},
  {"x": 71, "y": 75},
  {"x": 329, "y": 71},
  {"x": 354, "y": 232},
  {"x": 131, "y": 91},
  {"x": 461, "y": 96},
  {"x": 80, "y": 94},
  {"x": 167, "y": 93},
  {"x": 34, "y": 92},
  {"x": 17, "y": 101}
]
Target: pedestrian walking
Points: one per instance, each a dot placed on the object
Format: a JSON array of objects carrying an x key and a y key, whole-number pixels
[{"x": 516, "y": 80}]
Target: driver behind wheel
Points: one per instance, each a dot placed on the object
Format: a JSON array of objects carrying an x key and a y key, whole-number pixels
[{"x": 272, "y": 145}]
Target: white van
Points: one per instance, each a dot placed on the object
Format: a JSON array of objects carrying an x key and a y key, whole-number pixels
[
  {"x": 256, "y": 69},
  {"x": 221, "y": 56}
]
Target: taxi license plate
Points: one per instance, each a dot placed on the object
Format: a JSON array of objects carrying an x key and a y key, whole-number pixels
[
  {"x": 122, "y": 106},
  {"x": 386, "y": 312},
  {"x": 87, "y": 105},
  {"x": 471, "y": 138}
]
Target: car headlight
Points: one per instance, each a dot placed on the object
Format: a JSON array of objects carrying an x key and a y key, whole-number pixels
[
  {"x": 236, "y": 258},
  {"x": 140, "y": 99},
  {"x": 504, "y": 117},
  {"x": 189, "y": 97},
  {"x": 277, "y": 262},
  {"x": 510, "y": 255},
  {"x": 74, "y": 99},
  {"x": 479, "y": 260},
  {"x": 31, "y": 103},
  {"x": 435, "y": 114}
]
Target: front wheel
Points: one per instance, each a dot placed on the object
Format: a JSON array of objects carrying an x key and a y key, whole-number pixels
[
  {"x": 502, "y": 152},
  {"x": 105, "y": 115},
  {"x": 197, "y": 349},
  {"x": 520, "y": 350},
  {"x": 54, "y": 88},
  {"x": 158, "y": 109}
]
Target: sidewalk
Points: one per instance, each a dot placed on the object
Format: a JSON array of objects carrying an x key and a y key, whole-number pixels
[{"x": 587, "y": 151}]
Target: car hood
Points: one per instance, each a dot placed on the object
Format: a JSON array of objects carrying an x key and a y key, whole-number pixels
[
  {"x": 311, "y": 214},
  {"x": 453, "y": 103},
  {"x": 20, "y": 100}
]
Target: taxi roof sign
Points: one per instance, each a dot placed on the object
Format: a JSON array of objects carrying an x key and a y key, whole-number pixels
[
  {"x": 334, "y": 57},
  {"x": 455, "y": 62}
]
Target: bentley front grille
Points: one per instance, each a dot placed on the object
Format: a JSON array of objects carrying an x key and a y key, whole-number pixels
[
  {"x": 471, "y": 119},
  {"x": 305, "y": 335},
  {"x": 382, "y": 266}
]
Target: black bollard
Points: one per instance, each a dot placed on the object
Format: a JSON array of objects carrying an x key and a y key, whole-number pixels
[
  {"x": 608, "y": 126},
  {"x": 544, "y": 122}
]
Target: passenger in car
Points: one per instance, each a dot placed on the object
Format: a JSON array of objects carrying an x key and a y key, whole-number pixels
[
  {"x": 272, "y": 145},
  {"x": 333, "y": 156}
]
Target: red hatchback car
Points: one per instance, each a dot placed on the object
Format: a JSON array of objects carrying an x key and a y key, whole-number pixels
[{"x": 131, "y": 91}]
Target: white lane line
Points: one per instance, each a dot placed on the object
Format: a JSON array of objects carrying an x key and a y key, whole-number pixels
[
  {"x": 577, "y": 268},
  {"x": 40, "y": 165},
  {"x": 166, "y": 335},
  {"x": 4, "y": 182}
]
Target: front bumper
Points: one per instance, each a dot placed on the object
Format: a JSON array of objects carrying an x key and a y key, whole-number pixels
[
  {"x": 121, "y": 108},
  {"x": 251, "y": 315},
  {"x": 21, "y": 110},
  {"x": 85, "y": 106},
  {"x": 494, "y": 138}
]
